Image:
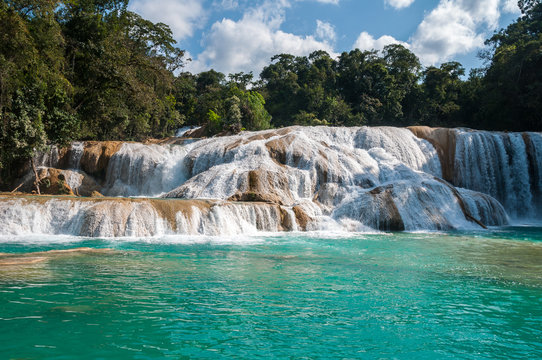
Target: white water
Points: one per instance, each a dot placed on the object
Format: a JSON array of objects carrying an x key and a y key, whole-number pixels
[
  {"x": 343, "y": 179},
  {"x": 145, "y": 170},
  {"x": 182, "y": 131},
  {"x": 497, "y": 164},
  {"x": 111, "y": 218}
]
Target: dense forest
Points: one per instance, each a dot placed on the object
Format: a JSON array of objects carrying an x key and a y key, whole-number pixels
[{"x": 92, "y": 69}]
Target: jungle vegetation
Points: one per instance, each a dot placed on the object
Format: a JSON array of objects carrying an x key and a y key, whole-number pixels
[{"x": 93, "y": 70}]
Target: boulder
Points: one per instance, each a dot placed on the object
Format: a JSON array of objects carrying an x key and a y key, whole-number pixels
[
  {"x": 265, "y": 186},
  {"x": 302, "y": 218},
  {"x": 54, "y": 183},
  {"x": 96, "y": 156}
]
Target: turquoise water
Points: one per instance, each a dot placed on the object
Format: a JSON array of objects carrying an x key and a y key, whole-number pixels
[{"x": 381, "y": 296}]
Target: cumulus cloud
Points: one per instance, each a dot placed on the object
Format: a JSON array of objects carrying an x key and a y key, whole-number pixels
[
  {"x": 455, "y": 27},
  {"x": 399, "y": 4},
  {"x": 366, "y": 41},
  {"x": 325, "y": 31},
  {"x": 510, "y": 6},
  {"x": 249, "y": 43},
  {"x": 183, "y": 17}
]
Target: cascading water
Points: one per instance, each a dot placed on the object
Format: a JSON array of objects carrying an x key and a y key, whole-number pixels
[
  {"x": 297, "y": 178},
  {"x": 506, "y": 166},
  {"x": 76, "y": 152},
  {"x": 139, "y": 217},
  {"x": 145, "y": 170}
]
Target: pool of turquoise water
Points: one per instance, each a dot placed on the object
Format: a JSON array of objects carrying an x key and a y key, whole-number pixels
[{"x": 462, "y": 295}]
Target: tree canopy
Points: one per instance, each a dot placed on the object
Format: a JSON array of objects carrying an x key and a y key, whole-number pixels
[{"x": 93, "y": 70}]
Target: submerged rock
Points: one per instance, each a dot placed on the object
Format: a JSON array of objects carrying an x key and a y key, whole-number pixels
[{"x": 32, "y": 258}]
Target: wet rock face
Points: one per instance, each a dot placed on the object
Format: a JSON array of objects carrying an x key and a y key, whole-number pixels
[
  {"x": 388, "y": 218},
  {"x": 444, "y": 142},
  {"x": 303, "y": 178},
  {"x": 96, "y": 156},
  {"x": 264, "y": 186},
  {"x": 123, "y": 217},
  {"x": 302, "y": 218}
]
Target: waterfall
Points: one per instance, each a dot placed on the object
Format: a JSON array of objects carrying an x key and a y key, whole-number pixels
[
  {"x": 145, "y": 170},
  {"x": 76, "y": 152},
  {"x": 506, "y": 166},
  {"x": 295, "y": 178},
  {"x": 138, "y": 218}
]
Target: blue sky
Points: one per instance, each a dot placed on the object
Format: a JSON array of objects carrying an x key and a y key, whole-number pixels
[{"x": 242, "y": 35}]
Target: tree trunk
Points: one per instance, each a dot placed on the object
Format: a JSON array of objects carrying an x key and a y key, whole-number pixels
[{"x": 37, "y": 178}]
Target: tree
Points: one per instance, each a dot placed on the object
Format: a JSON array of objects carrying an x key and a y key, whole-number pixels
[
  {"x": 513, "y": 81},
  {"x": 121, "y": 67},
  {"x": 405, "y": 69},
  {"x": 366, "y": 85},
  {"x": 33, "y": 92},
  {"x": 282, "y": 88},
  {"x": 233, "y": 114},
  {"x": 441, "y": 92},
  {"x": 254, "y": 114}
]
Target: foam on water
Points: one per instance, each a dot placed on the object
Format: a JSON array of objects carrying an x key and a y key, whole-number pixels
[
  {"x": 111, "y": 218},
  {"x": 340, "y": 179},
  {"x": 145, "y": 170},
  {"x": 506, "y": 166}
]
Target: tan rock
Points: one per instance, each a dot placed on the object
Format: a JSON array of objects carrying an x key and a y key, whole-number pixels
[
  {"x": 265, "y": 186},
  {"x": 443, "y": 140},
  {"x": 303, "y": 219},
  {"x": 54, "y": 183},
  {"x": 96, "y": 156},
  {"x": 96, "y": 194}
]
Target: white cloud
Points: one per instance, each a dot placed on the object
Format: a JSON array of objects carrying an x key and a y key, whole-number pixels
[
  {"x": 510, "y": 6},
  {"x": 248, "y": 44},
  {"x": 366, "y": 41},
  {"x": 325, "y": 31},
  {"x": 333, "y": 2},
  {"x": 227, "y": 4},
  {"x": 183, "y": 17},
  {"x": 399, "y": 4},
  {"x": 454, "y": 27}
]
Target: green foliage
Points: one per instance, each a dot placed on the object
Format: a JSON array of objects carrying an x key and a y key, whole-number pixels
[
  {"x": 308, "y": 119},
  {"x": 22, "y": 130},
  {"x": 512, "y": 86},
  {"x": 214, "y": 122},
  {"x": 254, "y": 114},
  {"x": 91, "y": 69},
  {"x": 442, "y": 90},
  {"x": 233, "y": 114}
]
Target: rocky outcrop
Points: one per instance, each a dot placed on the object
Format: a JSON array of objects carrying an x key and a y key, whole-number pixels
[
  {"x": 388, "y": 217},
  {"x": 51, "y": 181},
  {"x": 264, "y": 186},
  {"x": 60, "y": 182},
  {"x": 96, "y": 156},
  {"x": 302, "y": 218},
  {"x": 54, "y": 183},
  {"x": 444, "y": 142}
]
